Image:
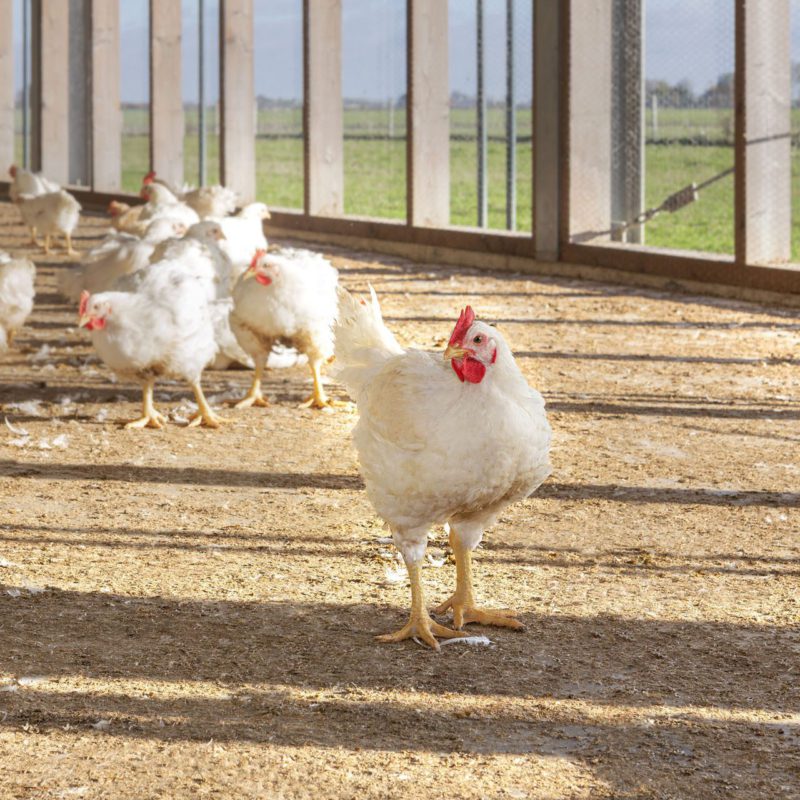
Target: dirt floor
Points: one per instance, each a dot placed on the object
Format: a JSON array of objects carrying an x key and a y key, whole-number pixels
[{"x": 191, "y": 613}]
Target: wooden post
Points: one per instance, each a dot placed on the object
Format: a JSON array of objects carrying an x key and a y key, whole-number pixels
[
  {"x": 166, "y": 101},
  {"x": 6, "y": 86},
  {"x": 589, "y": 120},
  {"x": 428, "y": 143},
  {"x": 322, "y": 107},
  {"x": 50, "y": 135},
  {"x": 547, "y": 33},
  {"x": 237, "y": 98},
  {"x": 627, "y": 163},
  {"x": 106, "y": 135},
  {"x": 763, "y": 132}
]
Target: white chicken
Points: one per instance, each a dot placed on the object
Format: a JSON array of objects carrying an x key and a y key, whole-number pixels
[
  {"x": 32, "y": 184},
  {"x": 54, "y": 213},
  {"x": 161, "y": 329},
  {"x": 449, "y": 440},
  {"x": 244, "y": 234},
  {"x": 160, "y": 202},
  {"x": 17, "y": 276},
  {"x": 292, "y": 301},
  {"x": 124, "y": 217},
  {"x": 117, "y": 255},
  {"x": 207, "y": 201}
]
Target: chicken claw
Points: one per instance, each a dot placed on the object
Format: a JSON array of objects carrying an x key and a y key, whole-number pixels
[
  {"x": 464, "y": 613},
  {"x": 150, "y": 417},
  {"x": 254, "y": 397},
  {"x": 205, "y": 415},
  {"x": 420, "y": 624},
  {"x": 155, "y": 420},
  {"x": 462, "y": 601},
  {"x": 207, "y": 420}
]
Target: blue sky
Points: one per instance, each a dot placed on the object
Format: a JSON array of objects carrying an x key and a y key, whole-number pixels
[{"x": 684, "y": 39}]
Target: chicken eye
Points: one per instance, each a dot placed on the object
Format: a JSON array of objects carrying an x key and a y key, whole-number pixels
[{"x": 478, "y": 339}]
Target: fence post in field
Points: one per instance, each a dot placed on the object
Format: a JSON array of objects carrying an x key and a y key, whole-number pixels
[
  {"x": 428, "y": 109},
  {"x": 237, "y": 96},
  {"x": 588, "y": 119},
  {"x": 166, "y": 100},
  {"x": 323, "y": 138},
  {"x": 480, "y": 60},
  {"x": 50, "y": 60},
  {"x": 763, "y": 143},
  {"x": 511, "y": 122},
  {"x": 627, "y": 165},
  {"x": 7, "y": 100},
  {"x": 548, "y": 41},
  {"x": 106, "y": 115}
]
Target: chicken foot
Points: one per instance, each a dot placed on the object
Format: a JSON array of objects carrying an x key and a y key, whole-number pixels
[
  {"x": 34, "y": 240},
  {"x": 255, "y": 397},
  {"x": 462, "y": 601},
  {"x": 150, "y": 417},
  {"x": 48, "y": 244},
  {"x": 420, "y": 625},
  {"x": 205, "y": 415},
  {"x": 318, "y": 398},
  {"x": 70, "y": 249}
]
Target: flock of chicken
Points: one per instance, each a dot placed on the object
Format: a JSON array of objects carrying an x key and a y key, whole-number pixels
[{"x": 183, "y": 284}]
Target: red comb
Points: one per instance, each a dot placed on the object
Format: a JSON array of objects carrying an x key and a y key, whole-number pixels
[
  {"x": 113, "y": 208},
  {"x": 84, "y": 302},
  {"x": 150, "y": 177},
  {"x": 465, "y": 320},
  {"x": 258, "y": 255}
]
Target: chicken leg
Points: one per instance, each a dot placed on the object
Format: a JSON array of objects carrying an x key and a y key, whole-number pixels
[
  {"x": 205, "y": 415},
  {"x": 70, "y": 249},
  {"x": 463, "y": 599},
  {"x": 47, "y": 249},
  {"x": 34, "y": 240},
  {"x": 318, "y": 398},
  {"x": 150, "y": 417},
  {"x": 420, "y": 624},
  {"x": 254, "y": 397}
]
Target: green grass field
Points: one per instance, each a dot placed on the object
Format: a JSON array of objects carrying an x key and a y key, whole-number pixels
[{"x": 375, "y": 168}]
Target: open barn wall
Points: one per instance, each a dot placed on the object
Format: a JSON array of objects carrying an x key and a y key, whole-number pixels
[{"x": 571, "y": 105}]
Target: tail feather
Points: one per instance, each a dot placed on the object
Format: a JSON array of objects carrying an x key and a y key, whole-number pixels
[{"x": 363, "y": 342}]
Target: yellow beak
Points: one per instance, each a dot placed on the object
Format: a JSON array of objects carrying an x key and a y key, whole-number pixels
[
  {"x": 84, "y": 320},
  {"x": 251, "y": 273},
  {"x": 454, "y": 352},
  {"x": 220, "y": 235}
]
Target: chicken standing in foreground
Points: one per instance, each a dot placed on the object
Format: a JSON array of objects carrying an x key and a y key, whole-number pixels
[
  {"x": 159, "y": 325},
  {"x": 292, "y": 301},
  {"x": 17, "y": 276},
  {"x": 450, "y": 440}
]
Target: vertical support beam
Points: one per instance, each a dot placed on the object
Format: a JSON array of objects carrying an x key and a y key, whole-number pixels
[
  {"x": 763, "y": 200},
  {"x": 50, "y": 33},
  {"x": 79, "y": 120},
  {"x": 483, "y": 143},
  {"x": 106, "y": 114},
  {"x": 548, "y": 41},
  {"x": 511, "y": 122},
  {"x": 589, "y": 120},
  {"x": 627, "y": 135},
  {"x": 6, "y": 85},
  {"x": 322, "y": 107},
  {"x": 237, "y": 98},
  {"x": 428, "y": 155},
  {"x": 201, "y": 93},
  {"x": 166, "y": 101}
]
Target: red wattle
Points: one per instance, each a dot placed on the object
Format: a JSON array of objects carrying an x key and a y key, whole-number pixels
[
  {"x": 469, "y": 369},
  {"x": 264, "y": 280}
]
